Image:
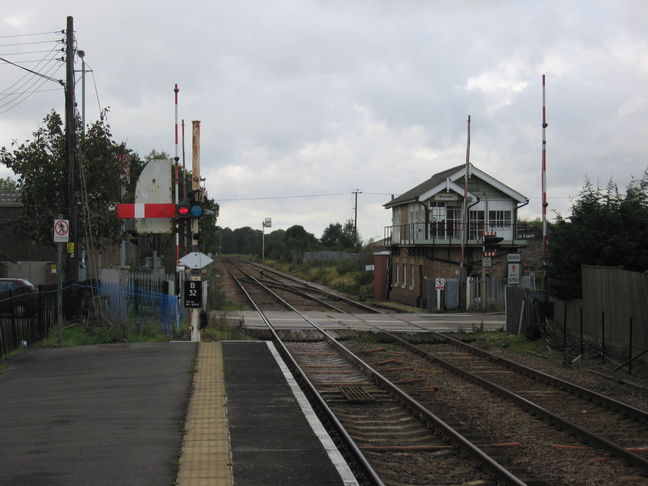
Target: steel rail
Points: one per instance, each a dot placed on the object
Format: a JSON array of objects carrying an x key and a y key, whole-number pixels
[
  {"x": 624, "y": 408},
  {"x": 358, "y": 457},
  {"x": 499, "y": 471},
  {"x": 306, "y": 295},
  {"x": 292, "y": 289},
  {"x": 319, "y": 289},
  {"x": 526, "y": 404},
  {"x": 534, "y": 409}
]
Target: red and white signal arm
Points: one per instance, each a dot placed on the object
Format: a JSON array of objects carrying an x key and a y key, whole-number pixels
[{"x": 146, "y": 210}]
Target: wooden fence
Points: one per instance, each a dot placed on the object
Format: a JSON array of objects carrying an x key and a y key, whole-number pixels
[{"x": 612, "y": 316}]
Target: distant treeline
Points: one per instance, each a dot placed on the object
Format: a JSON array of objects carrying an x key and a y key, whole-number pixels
[{"x": 286, "y": 245}]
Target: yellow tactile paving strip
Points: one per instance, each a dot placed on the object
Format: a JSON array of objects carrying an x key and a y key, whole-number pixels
[{"x": 206, "y": 454}]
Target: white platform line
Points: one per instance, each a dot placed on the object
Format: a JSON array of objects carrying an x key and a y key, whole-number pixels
[{"x": 334, "y": 454}]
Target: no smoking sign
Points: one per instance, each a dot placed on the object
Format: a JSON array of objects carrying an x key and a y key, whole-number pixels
[{"x": 61, "y": 231}]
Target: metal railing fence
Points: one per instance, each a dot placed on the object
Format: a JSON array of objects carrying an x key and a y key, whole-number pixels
[
  {"x": 27, "y": 317},
  {"x": 450, "y": 234}
]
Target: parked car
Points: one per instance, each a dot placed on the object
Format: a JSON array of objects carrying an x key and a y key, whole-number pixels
[{"x": 22, "y": 300}]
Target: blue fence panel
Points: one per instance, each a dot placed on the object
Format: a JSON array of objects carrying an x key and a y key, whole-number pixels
[{"x": 122, "y": 303}]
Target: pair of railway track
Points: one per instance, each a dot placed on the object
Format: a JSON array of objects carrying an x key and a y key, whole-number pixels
[{"x": 443, "y": 412}]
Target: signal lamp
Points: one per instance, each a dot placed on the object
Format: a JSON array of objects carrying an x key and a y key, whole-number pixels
[{"x": 183, "y": 211}]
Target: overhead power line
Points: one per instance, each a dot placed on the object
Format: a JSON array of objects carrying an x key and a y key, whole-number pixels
[
  {"x": 60, "y": 81},
  {"x": 31, "y": 35},
  {"x": 29, "y": 84},
  {"x": 268, "y": 198},
  {"x": 30, "y": 43},
  {"x": 39, "y": 71},
  {"x": 28, "y": 52},
  {"x": 43, "y": 65},
  {"x": 271, "y": 198}
]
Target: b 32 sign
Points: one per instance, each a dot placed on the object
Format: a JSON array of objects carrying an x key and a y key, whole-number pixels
[{"x": 193, "y": 293}]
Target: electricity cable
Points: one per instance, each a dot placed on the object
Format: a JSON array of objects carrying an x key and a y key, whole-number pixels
[
  {"x": 37, "y": 66},
  {"x": 28, "y": 35},
  {"x": 33, "y": 72},
  {"x": 16, "y": 100},
  {"x": 28, "y": 52},
  {"x": 30, "y": 43},
  {"x": 283, "y": 197}
]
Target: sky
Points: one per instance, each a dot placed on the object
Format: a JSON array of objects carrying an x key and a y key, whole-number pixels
[{"x": 304, "y": 102}]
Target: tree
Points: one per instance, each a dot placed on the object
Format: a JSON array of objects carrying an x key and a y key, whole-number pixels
[
  {"x": 338, "y": 237},
  {"x": 350, "y": 240},
  {"x": 332, "y": 236},
  {"x": 8, "y": 185},
  {"x": 40, "y": 166},
  {"x": 226, "y": 241},
  {"x": 606, "y": 228},
  {"x": 276, "y": 248},
  {"x": 298, "y": 240}
]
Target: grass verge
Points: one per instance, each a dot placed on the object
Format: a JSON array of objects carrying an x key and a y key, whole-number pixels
[
  {"x": 79, "y": 335},
  {"x": 219, "y": 329},
  {"x": 502, "y": 339}
]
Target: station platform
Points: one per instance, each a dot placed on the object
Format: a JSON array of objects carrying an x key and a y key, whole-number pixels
[{"x": 249, "y": 423}]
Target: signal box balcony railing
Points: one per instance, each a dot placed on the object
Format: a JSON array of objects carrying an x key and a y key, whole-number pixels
[{"x": 450, "y": 234}]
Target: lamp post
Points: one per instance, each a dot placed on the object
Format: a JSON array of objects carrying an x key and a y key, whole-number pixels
[{"x": 267, "y": 223}]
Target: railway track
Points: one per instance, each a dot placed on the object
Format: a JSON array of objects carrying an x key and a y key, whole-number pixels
[
  {"x": 304, "y": 295},
  {"x": 386, "y": 436},
  {"x": 373, "y": 415}
]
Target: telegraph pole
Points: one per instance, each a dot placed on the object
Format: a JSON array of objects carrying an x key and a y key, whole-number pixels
[
  {"x": 355, "y": 216},
  {"x": 544, "y": 172},
  {"x": 70, "y": 142},
  {"x": 464, "y": 227}
]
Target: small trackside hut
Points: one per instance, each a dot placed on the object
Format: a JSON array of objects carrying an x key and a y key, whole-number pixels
[{"x": 425, "y": 237}]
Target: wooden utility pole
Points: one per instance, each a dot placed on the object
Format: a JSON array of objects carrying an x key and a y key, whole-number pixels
[
  {"x": 70, "y": 144},
  {"x": 464, "y": 228},
  {"x": 355, "y": 216}
]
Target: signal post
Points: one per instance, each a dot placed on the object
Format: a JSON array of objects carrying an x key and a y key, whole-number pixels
[
  {"x": 195, "y": 275},
  {"x": 192, "y": 209},
  {"x": 489, "y": 250}
]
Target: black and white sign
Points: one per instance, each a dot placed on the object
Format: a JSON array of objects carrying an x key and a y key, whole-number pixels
[
  {"x": 193, "y": 293},
  {"x": 439, "y": 283}
]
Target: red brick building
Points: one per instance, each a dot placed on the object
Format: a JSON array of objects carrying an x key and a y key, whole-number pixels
[{"x": 427, "y": 230}]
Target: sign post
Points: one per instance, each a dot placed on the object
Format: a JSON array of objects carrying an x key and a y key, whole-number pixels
[
  {"x": 439, "y": 283},
  {"x": 61, "y": 236}
]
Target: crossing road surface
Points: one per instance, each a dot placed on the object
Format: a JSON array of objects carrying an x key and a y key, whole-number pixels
[{"x": 386, "y": 322}]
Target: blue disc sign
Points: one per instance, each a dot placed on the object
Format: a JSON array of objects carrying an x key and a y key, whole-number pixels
[{"x": 193, "y": 293}]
